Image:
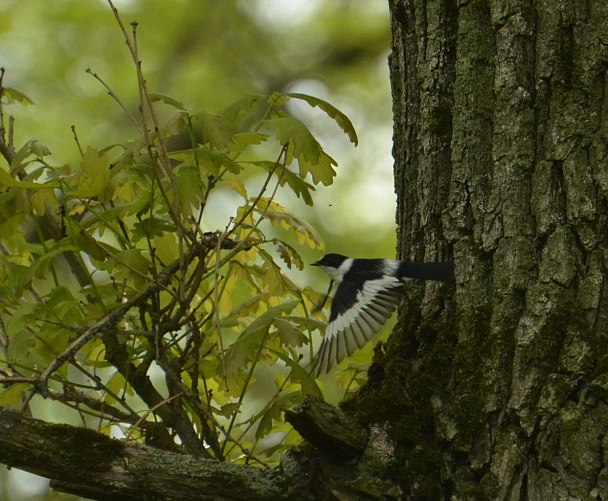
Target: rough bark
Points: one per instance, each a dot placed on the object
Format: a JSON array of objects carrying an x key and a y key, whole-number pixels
[
  {"x": 84, "y": 462},
  {"x": 346, "y": 465},
  {"x": 500, "y": 147}
]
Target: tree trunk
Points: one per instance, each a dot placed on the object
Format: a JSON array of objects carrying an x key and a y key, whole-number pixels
[{"x": 500, "y": 149}]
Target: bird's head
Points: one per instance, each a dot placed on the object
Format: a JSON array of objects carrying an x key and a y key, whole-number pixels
[{"x": 335, "y": 265}]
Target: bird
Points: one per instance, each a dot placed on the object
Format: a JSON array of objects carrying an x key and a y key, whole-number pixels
[{"x": 368, "y": 291}]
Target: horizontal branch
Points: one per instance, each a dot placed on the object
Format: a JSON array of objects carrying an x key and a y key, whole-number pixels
[
  {"x": 327, "y": 428},
  {"x": 84, "y": 462}
]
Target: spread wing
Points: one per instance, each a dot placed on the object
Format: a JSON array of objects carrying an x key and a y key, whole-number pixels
[{"x": 358, "y": 311}]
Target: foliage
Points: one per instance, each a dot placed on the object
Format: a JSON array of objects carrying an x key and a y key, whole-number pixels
[{"x": 114, "y": 299}]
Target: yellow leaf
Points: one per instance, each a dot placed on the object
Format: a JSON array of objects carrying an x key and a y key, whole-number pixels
[
  {"x": 239, "y": 187},
  {"x": 42, "y": 200}
]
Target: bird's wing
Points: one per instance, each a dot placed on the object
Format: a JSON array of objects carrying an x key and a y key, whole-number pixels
[{"x": 358, "y": 312}]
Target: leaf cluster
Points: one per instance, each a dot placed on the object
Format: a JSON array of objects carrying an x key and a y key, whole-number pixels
[{"x": 119, "y": 297}]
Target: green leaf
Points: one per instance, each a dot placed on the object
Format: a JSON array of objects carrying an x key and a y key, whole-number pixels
[
  {"x": 7, "y": 180},
  {"x": 244, "y": 139},
  {"x": 12, "y": 236},
  {"x": 263, "y": 321},
  {"x": 275, "y": 413},
  {"x": 30, "y": 148},
  {"x": 95, "y": 174},
  {"x": 273, "y": 281},
  {"x": 300, "y": 187},
  {"x": 290, "y": 439},
  {"x": 237, "y": 186},
  {"x": 288, "y": 334},
  {"x": 247, "y": 307},
  {"x": 92, "y": 249},
  {"x": 42, "y": 200},
  {"x": 246, "y": 111},
  {"x": 300, "y": 375},
  {"x": 243, "y": 350},
  {"x": 130, "y": 187},
  {"x": 305, "y": 148},
  {"x": 21, "y": 344},
  {"x": 228, "y": 410},
  {"x": 12, "y": 397},
  {"x": 307, "y": 323},
  {"x": 135, "y": 264},
  {"x": 215, "y": 129},
  {"x": 178, "y": 123},
  {"x": 41, "y": 267},
  {"x": 209, "y": 159},
  {"x": 321, "y": 170},
  {"x": 165, "y": 245},
  {"x": 15, "y": 96},
  {"x": 38, "y": 149},
  {"x": 118, "y": 386},
  {"x": 340, "y": 118},
  {"x": 155, "y": 97},
  {"x": 64, "y": 306},
  {"x": 189, "y": 187},
  {"x": 21, "y": 318}
]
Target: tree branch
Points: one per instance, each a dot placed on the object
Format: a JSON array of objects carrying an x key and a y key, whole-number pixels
[
  {"x": 117, "y": 355},
  {"x": 328, "y": 429},
  {"x": 84, "y": 462}
]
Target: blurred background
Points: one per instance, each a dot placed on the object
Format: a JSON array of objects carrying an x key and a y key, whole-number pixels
[{"x": 207, "y": 54}]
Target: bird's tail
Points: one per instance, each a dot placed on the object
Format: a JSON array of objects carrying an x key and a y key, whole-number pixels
[{"x": 442, "y": 272}]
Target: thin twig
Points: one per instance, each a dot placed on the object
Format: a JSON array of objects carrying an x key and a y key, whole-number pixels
[
  {"x": 144, "y": 98},
  {"x": 216, "y": 312},
  {"x": 73, "y": 127},
  {"x": 11, "y": 380},
  {"x": 111, "y": 319},
  {"x": 163, "y": 156},
  {"x": 240, "y": 243},
  {"x": 119, "y": 261},
  {"x": 116, "y": 98},
  {"x": 143, "y": 418}
]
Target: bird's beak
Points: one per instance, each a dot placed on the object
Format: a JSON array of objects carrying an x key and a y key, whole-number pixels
[{"x": 314, "y": 264}]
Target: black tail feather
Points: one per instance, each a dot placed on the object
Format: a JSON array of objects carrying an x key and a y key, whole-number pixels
[{"x": 442, "y": 272}]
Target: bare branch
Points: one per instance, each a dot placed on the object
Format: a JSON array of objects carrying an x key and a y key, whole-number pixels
[{"x": 112, "y": 94}]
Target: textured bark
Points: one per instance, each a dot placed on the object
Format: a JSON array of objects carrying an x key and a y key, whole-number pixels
[
  {"x": 500, "y": 163},
  {"x": 327, "y": 429},
  {"x": 82, "y": 461}
]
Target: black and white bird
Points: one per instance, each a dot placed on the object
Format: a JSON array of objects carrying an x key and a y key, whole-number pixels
[{"x": 368, "y": 292}]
